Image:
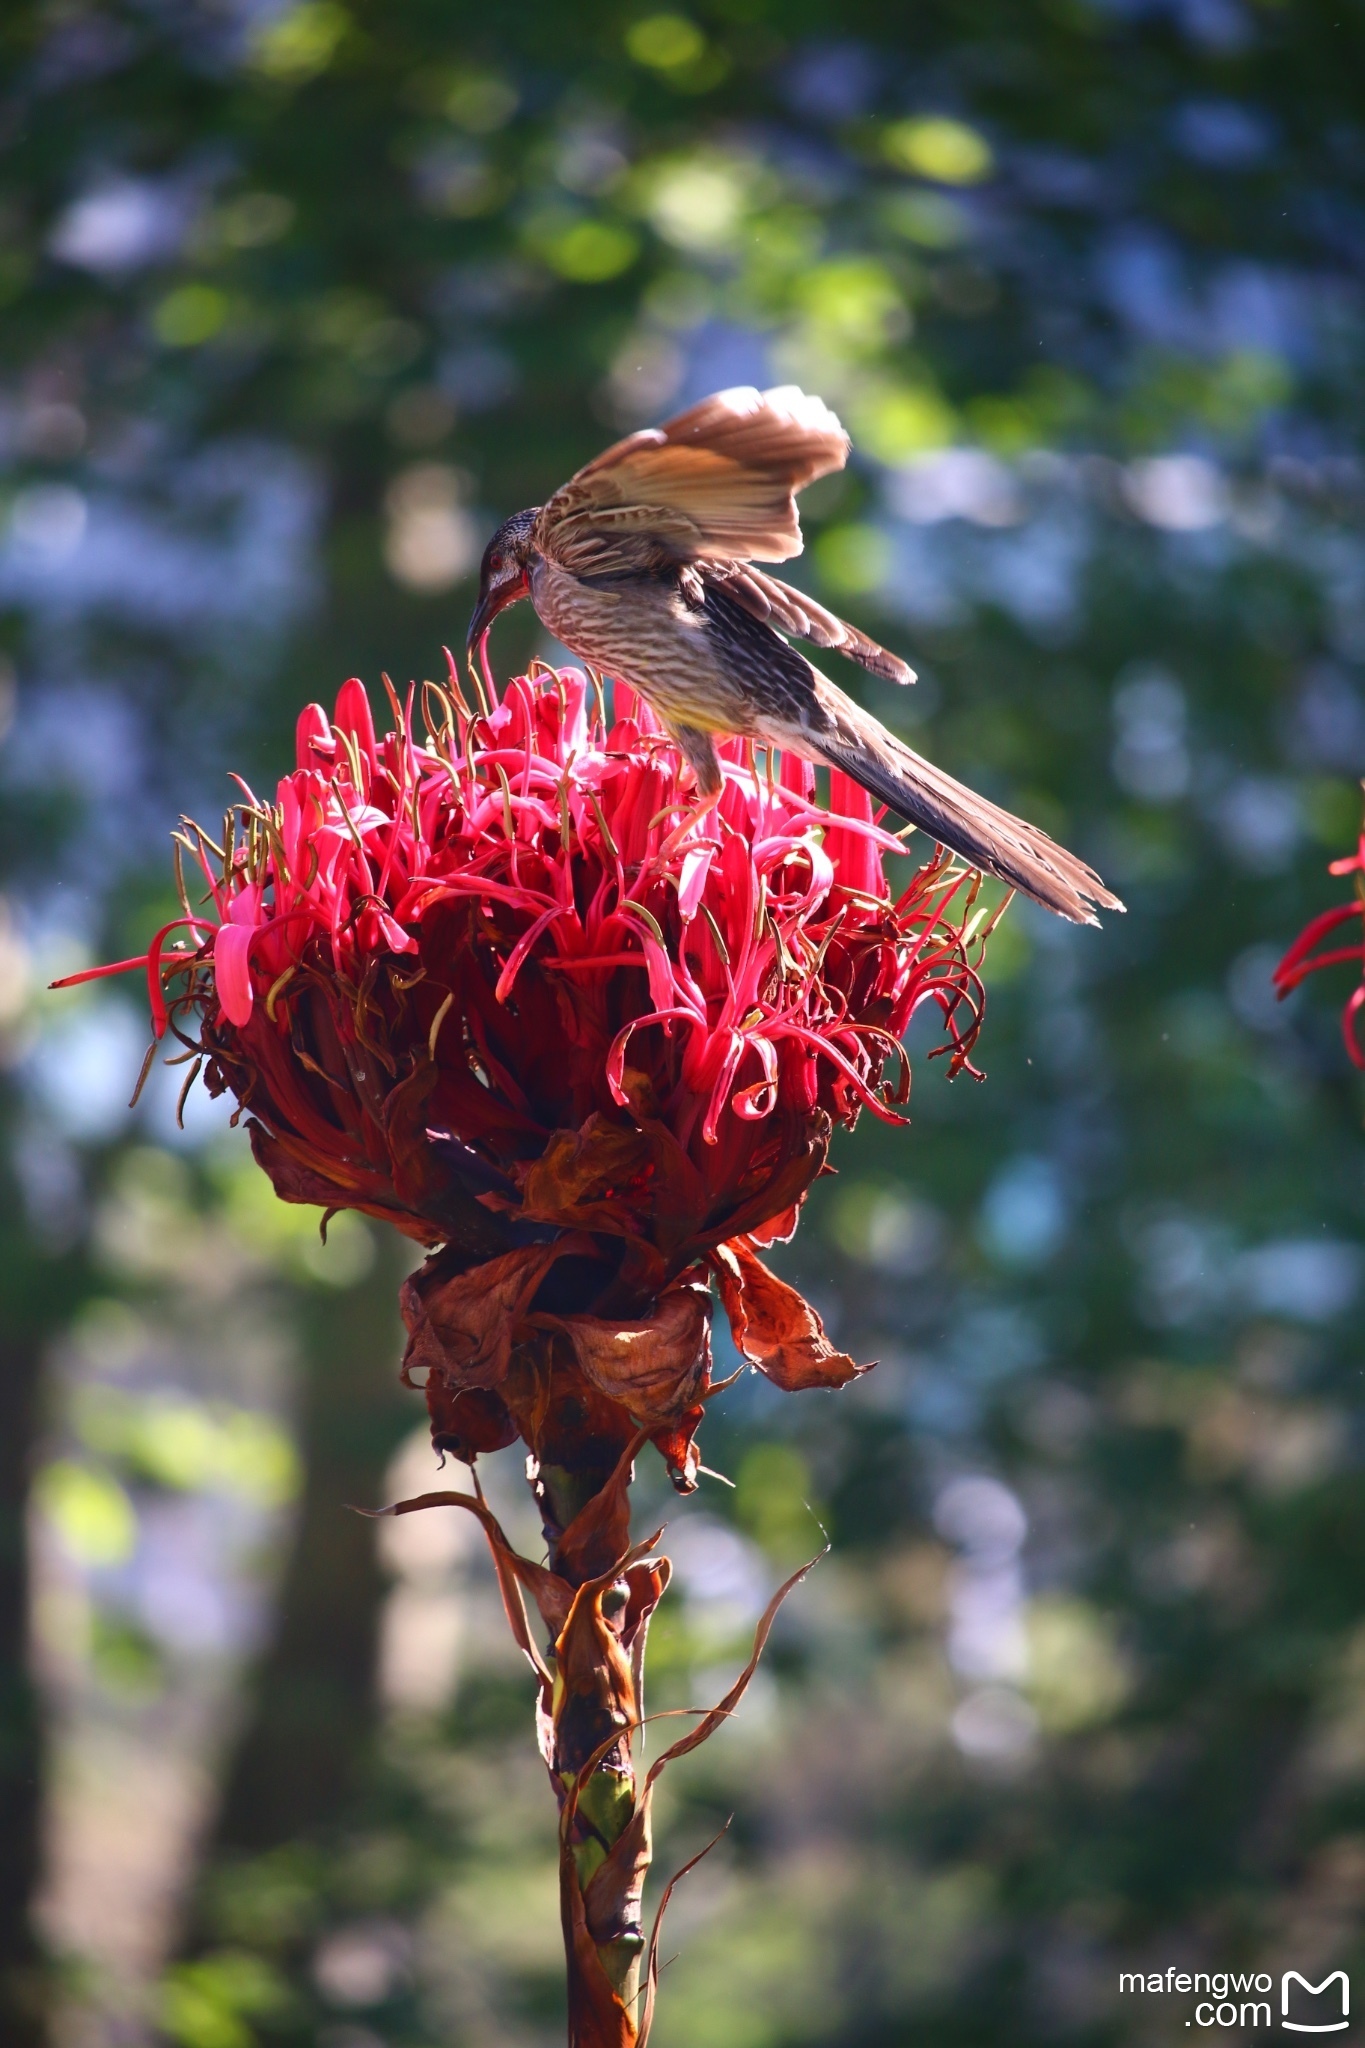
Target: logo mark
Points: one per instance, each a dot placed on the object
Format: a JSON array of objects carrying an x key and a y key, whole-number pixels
[{"x": 1315, "y": 1991}]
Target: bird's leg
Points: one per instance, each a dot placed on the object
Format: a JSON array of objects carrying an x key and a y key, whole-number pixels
[{"x": 698, "y": 749}]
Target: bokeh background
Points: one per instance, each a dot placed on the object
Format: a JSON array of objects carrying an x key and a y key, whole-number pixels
[{"x": 298, "y": 300}]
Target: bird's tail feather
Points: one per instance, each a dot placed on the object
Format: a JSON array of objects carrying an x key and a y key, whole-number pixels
[{"x": 969, "y": 825}]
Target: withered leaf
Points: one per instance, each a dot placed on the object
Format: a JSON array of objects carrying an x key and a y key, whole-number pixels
[
  {"x": 463, "y": 1325},
  {"x": 775, "y": 1327},
  {"x": 653, "y": 1367}
]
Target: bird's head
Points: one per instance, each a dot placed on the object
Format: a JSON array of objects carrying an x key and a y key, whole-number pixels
[{"x": 503, "y": 576}]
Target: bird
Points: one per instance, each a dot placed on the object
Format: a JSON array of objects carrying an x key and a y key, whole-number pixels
[{"x": 647, "y": 564}]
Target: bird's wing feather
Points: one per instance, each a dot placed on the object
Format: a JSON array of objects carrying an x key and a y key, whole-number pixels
[
  {"x": 791, "y": 611},
  {"x": 717, "y": 483}
]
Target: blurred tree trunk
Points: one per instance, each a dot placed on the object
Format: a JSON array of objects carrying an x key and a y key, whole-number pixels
[
  {"x": 21, "y": 1739},
  {"x": 314, "y": 1699}
]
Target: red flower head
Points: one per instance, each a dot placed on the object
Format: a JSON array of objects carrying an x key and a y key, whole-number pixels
[
  {"x": 508, "y": 990},
  {"x": 1305, "y": 958}
]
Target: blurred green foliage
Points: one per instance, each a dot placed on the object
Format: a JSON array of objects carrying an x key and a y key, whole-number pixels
[{"x": 297, "y": 301}]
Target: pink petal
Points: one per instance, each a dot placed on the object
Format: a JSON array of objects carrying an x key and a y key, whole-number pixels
[
  {"x": 695, "y": 868},
  {"x": 245, "y": 907},
  {"x": 232, "y": 970},
  {"x": 857, "y": 863},
  {"x": 624, "y": 702},
  {"x": 314, "y": 746},
  {"x": 353, "y": 715},
  {"x": 797, "y": 775}
]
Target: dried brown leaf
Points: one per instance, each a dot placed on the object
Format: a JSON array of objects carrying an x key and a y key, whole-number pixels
[{"x": 775, "y": 1327}]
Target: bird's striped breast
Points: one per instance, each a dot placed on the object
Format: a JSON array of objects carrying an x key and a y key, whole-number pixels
[{"x": 642, "y": 630}]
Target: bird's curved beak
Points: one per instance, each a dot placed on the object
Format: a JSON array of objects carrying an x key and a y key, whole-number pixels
[{"x": 493, "y": 598}]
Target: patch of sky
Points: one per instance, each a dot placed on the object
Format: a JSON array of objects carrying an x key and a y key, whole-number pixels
[
  {"x": 122, "y": 224},
  {"x": 955, "y": 483},
  {"x": 80, "y": 47},
  {"x": 1179, "y": 493},
  {"x": 1259, "y": 820},
  {"x": 201, "y": 1119},
  {"x": 934, "y": 573},
  {"x": 1150, "y": 758},
  {"x": 180, "y": 1581},
  {"x": 477, "y": 375},
  {"x": 1034, "y": 573},
  {"x": 1251, "y": 991},
  {"x": 234, "y": 547},
  {"x": 83, "y": 1069},
  {"x": 994, "y": 1341},
  {"x": 1327, "y": 727},
  {"x": 1224, "y": 134},
  {"x": 1139, "y": 276},
  {"x": 1023, "y": 1218},
  {"x": 1191, "y": 1271},
  {"x": 832, "y": 81},
  {"x": 1310, "y": 1280},
  {"x": 937, "y": 1401},
  {"x": 986, "y": 1641},
  {"x": 1254, "y": 308},
  {"x": 1059, "y": 177},
  {"x": 915, "y": 585},
  {"x": 50, "y": 1182},
  {"x": 1333, "y": 557},
  {"x": 716, "y": 1567},
  {"x": 79, "y": 737},
  {"x": 718, "y": 355}
]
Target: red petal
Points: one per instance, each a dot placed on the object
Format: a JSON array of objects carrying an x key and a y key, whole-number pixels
[
  {"x": 353, "y": 715},
  {"x": 857, "y": 861},
  {"x": 232, "y": 971},
  {"x": 314, "y": 746}
]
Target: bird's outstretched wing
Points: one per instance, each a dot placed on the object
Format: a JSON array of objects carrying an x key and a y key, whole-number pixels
[
  {"x": 716, "y": 484},
  {"x": 776, "y": 604}
]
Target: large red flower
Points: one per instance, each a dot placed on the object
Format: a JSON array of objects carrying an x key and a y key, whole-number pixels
[{"x": 509, "y": 990}]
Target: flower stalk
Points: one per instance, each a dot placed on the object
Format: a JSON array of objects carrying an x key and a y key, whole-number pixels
[{"x": 589, "y": 1711}]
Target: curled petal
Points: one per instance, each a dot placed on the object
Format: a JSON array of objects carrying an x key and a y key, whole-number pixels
[
  {"x": 1297, "y": 962},
  {"x": 507, "y": 979},
  {"x": 467, "y": 1422},
  {"x": 616, "y": 1058},
  {"x": 759, "y": 1099}
]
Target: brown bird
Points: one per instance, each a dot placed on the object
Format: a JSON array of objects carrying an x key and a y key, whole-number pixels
[{"x": 643, "y": 564}]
